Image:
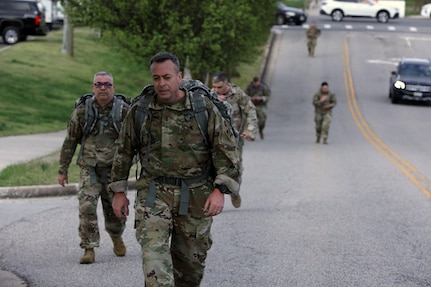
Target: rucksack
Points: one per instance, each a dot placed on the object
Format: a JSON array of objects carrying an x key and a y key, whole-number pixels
[
  {"x": 197, "y": 91},
  {"x": 91, "y": 113}
]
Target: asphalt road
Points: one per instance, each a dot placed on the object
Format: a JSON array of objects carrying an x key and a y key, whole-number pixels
[{"x": 355, "y": 212}]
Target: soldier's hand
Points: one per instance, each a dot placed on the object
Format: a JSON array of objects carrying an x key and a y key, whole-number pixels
[
  {"x": 62, "y": 179},
  {"x": 120, "y": 205},
  {"x": 328, "y": 106},
  {"x": 257, "y": 98},
  {"x": 215, "y": 203},
  {"x": 247, "y": 137},
  {"x": 323, "y": 98}
]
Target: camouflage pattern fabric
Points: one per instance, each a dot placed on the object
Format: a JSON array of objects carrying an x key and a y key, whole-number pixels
[
  {"x": 322, "y": 114},
  {"x": 191, "y": 239},
  {"x": 312, "y": 34},
  {"x": 88, "y": 196},
  {"x": 243, "y": 113},
  {"x": 99, "y": 147},
  {"x": 98, "y": 152},
  {"x": 261, "y": 109},
  {"x": 177, "y": 149}
]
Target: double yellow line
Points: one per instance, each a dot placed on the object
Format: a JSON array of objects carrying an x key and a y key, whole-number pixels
[{"x": 415, "y": 176}]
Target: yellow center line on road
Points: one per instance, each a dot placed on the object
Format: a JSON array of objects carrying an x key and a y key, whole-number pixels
[{"x": 415, "y": 176}]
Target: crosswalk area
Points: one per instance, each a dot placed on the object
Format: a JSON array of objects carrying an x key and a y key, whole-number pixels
[{"x": 363, "y": 27}]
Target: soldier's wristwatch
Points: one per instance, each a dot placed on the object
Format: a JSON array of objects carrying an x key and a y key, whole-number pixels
[{"x": 223, "y": 188}]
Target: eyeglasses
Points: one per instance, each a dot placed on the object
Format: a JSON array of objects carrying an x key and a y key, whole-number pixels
[{"x": 105, "y": 84}]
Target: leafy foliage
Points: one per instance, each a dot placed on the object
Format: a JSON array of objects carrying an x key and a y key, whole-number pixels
[{"x": 209, "y": 35}]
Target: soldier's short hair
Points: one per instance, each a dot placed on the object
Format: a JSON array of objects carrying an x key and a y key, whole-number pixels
[
  {"x": 103, "y": 73},
  {"x": 324, "y": 84},
  {"x": 164, "y": 56},
  {"x": 220, "y": 77}
]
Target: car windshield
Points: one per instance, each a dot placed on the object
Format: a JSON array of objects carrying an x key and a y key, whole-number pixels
[{"x": 415, "y": 70}]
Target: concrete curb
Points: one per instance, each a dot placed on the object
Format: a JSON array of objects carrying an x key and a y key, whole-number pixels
[
  {"x": 44, "y": 190},
  {"x": 8, "y": 279}
]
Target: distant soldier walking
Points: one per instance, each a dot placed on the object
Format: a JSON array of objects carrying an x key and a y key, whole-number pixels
[
  {"x": 259, "y": 93},
  {"x": 312, "y": 34},
  {"x": 324, "y": 101}
]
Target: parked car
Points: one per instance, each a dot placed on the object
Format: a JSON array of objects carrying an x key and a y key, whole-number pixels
[
  {"x": 426, "y": 10},
  {"x": 338, "y": 9},
  {"x": 411, "y": 80},
  {"x": 289, "y": 15},
  {"x": 21, "y": 18}
]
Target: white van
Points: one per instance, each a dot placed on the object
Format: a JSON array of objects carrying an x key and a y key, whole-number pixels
[{"x": 54, "y": 16}]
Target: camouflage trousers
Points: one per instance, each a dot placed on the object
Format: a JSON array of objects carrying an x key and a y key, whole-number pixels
[
  {"x": 323, "y": 121},
  {"x": 261, "y": 116},
  {"x": 311, "y": 45},
  {"x": 88, "y": 197},
  {"x": 174, "y": 247}
]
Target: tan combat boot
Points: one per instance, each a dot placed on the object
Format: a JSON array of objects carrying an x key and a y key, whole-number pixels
[
  {"x": 318, "y": 140},
  {"x": 325, "y": 141},
  {"x": 262, "y": 136},
  {"x": 236, "y": 200},
  {"x": 88, "y": 256},
  {"x": 119, "y": 247}
]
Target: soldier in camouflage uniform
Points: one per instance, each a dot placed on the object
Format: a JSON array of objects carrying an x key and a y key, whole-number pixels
[
  {"x": 259, "y": 93},
  {"x": 183, "y": 179},
  {"x": 324, "y": 101},
  {"x": 312, "y": 34},
  {"x": 243, "y": 114},
  {"x": 95, "y": 161}
]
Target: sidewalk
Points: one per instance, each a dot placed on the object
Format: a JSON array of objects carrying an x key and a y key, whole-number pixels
[{"x": 20, "y": 149}]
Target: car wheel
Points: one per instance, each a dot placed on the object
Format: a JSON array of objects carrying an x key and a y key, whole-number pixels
[
  {"x": 383, "y": 17},
  {"x": 337, "y": 15},
  {"x": 280, "y": 20},
  {"x": 10, "y": 35}
]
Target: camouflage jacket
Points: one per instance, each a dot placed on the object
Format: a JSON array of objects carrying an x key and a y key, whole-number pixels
[
  {"x": 263, "y": 91},
  {"x": 243, "y": 111},
  {"x": 177, "y": 147},
  {"x": 99, "y": 146},
  {"x": 313, "y": 33},
  {"x": 322, "y": 107}
]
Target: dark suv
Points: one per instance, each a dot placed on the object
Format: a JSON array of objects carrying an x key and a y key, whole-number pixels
[
  {"x": 21, "y": 18},
  {"x": 411, "y": 81}
]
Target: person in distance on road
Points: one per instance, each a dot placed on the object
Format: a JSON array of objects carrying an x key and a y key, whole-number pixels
[
  {"x": 312, "y": 34},
  {"x": 260, "y": 93},
  {"x": 324, "y": 101}
]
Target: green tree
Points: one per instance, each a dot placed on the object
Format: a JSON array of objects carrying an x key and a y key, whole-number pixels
[{"x": 212, "y": 34}]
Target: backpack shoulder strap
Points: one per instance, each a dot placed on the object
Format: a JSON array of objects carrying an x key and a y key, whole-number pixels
[
  {"x": 90, "y": 115},
  {"x": 142, "y": 113},
  {"x": 198, "y": 92},
  {"x": 200, "y": 112},
  {"x": 117, "y": 110}
]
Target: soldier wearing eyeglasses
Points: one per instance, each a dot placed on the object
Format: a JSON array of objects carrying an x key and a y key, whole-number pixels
[{"x": 97, "y": 148}]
